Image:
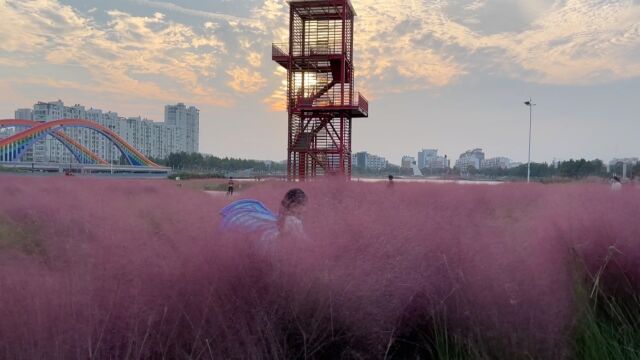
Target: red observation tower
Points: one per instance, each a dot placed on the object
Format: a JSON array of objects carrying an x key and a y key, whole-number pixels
[{"x": 321, "y": 99}]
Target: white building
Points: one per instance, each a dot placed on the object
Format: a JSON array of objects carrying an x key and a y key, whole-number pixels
[
  {"x": 628, "y": 161},
  {"x": 20, "y": 114},
  {"x": 24, "y": 114},
  {"x": 438, "y": 163},
  {"x": 429, "y": 159},
  {"x": 153, "y": 139},
  {"x": 426, "y": 155},
  {"x": 364, "y": 160},
  {"x": 6, "y": 132},
  {"x": 408, "y": 162},
  {"x": 496, "y": 163},
  {"x": 187, "y": 122},
  {"x": 470, "y": 158},
  {"x": 627, "y": 165}
]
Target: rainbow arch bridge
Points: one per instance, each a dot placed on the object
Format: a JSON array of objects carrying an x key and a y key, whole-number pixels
[{"x": 14, "y": 147}]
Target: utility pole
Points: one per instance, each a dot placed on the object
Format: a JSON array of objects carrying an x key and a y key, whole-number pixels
[{"x": 530, "y": 104}]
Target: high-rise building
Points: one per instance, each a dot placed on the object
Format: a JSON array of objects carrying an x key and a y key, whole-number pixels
[
  {"x": 496, "y": 163},
  {"x": 425, "y": 155},
  {"x": 153, "y": 139},
  {"x": 429, "y": 159},
  {"x": 24, "y": 114},
  {"x": 48, "y": 150},
  {"x": 469, "y": 158},
  {"x": 407, "y": 162},
  {"x": 187, "y": 122},
  {"x": 20, "y": 114},
  {"x": 51, "y": 150},
  {"x": 6, "y": 132},
  {"x": 48, "y": 111},
  {"x": 366, "y": 161},
  {"x": 438, "y": 163}
]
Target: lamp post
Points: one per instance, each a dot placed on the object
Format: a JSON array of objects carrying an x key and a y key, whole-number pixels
[{"x": 530, "y": 104}]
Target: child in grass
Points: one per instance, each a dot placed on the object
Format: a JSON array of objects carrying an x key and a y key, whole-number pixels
[
  {"x": 290, "y": 217},
  {"x": 252, "y": 217}
]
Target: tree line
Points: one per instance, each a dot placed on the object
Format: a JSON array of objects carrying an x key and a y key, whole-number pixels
[
  {"x": 196, "y": 162},
  {"x": 572, "y": 169}
]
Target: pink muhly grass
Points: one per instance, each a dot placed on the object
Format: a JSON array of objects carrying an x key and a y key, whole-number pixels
[{"x": 138, "y": 269}]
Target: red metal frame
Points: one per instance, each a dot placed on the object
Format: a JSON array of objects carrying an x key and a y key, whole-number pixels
[{"x": 321, "y": 99}]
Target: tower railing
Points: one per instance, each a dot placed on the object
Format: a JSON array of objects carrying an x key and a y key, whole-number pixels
[
  {"x": 331, "y": 97},
  {"x": 362, "y": 104},
  {"x": 311, "y": 48},
  {"x": 279, "y": 50}
]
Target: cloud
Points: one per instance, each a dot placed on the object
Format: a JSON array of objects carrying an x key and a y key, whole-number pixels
[
  {"x": 255, "y": 59},
  {"x": 33, "y": 24},
  {"x": 245, "y": 80},
  {"x": 409, "y": 45},
  {"x": 568, "y": 42},
  {"x": 133, "y": 55},
  {"x": 387, "y": 58},
  {"x": 199, "y": 13},
  {"x": 10, "y": 62},
  {"x": 401, "y": 45},
  {"x": 414, "y": 44},
  {"x": 277, "y": 101},
  {"x": 578, "y": 42},
  {"x": 476, "y": 5}
]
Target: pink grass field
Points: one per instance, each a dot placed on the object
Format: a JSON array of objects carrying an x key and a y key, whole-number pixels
[{"x": 126, "y": 269}]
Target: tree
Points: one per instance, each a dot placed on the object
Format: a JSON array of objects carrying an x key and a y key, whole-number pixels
[
  {"x": 199, "y": 162},
  {"x": 581, "y": 168},
  {"x": 538, "y": 170},
  {"x": 635, "y": 171}
]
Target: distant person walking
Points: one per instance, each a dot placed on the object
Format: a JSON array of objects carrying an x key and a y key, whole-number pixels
[
  {"x": 230, "y": 187},
  {"x": 390, "y": 183}
]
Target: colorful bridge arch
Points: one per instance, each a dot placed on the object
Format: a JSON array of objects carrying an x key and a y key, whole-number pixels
[
  {"x": 79, "y": 151},
  {"x": 13, "y": 147}
]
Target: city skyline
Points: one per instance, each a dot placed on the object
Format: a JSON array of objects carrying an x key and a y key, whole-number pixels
[
  {"x": 28, "y": 114},
  {"x": 446, "y": 75},
  {"x": 178, "y": 132}
]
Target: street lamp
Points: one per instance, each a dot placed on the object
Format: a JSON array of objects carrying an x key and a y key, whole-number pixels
[{"x": 530, "y": 104}]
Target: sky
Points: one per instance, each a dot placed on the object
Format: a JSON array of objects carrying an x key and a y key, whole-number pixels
[{"x": 444, "y": 74}]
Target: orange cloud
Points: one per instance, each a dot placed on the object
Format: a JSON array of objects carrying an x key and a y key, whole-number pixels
[
  {"x": 254, "y": 59},
  {"x": 245, "y": 80},
  {"x": 577, "y": 42},
  {"x": 401, "y": 45},
  {"x": 128, "y": 55}
]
